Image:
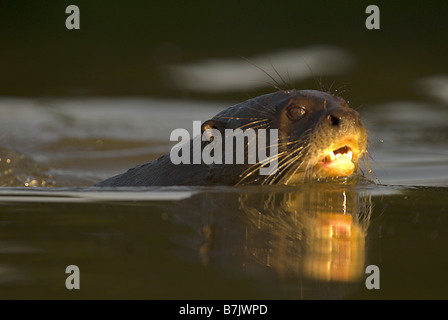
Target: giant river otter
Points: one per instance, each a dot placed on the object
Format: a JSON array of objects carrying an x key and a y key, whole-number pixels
[{"x": 317, "y": 136}]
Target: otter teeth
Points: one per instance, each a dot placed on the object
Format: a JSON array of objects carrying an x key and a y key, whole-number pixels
[
  {"x": 350, "y": 155},
  {"x": 339, "y": 155}
]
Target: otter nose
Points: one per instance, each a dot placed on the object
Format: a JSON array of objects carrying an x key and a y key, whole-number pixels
[
  {"x": 334, "y": 120},
  {"x": 342, "y": 116}
]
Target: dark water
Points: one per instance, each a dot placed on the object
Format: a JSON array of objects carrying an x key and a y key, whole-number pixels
[
  {"x": 307, "y": 242},
  {"x": 225, "y": 243},
  {"x": 79, "y": 106}
]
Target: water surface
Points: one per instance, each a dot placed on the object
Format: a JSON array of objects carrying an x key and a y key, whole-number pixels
[{"x": 307, "y": 242}]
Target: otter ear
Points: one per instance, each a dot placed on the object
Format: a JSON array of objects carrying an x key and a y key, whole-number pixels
[{"x": 213, "y": 124}]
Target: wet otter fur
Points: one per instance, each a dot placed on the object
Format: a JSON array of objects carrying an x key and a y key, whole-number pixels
[{"x": 319, "y": 136}]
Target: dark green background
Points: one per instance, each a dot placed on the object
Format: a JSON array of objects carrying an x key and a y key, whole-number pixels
[{"x": 122, "y": 44}]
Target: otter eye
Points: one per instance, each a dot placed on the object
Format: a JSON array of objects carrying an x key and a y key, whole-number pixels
[{"x": 296, "y": 112}]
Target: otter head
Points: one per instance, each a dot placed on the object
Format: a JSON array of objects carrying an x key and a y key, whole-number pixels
[
  {"x": 325, "y": 137},
  {"x": 319, "y": 135}
]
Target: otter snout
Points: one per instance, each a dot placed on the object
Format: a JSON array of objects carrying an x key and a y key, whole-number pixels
[{"x": 343, "y": 117}]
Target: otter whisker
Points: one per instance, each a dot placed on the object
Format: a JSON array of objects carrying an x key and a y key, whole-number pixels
[
  {"x": 292, "y": 158},
  {"x": 278, "y": 157},
  {"x": 254, "y": 122},
  {"x": 281, "y": 78},
  {"x": 299, "y": 166},
  {"x": 264, "y": 111},
  {"x": 265, "y": 72},
  {"x": 270, "y": 108},
  {"x": 261, "y": 163},
  {"x": 318, "y": 81},
  {"x": 252, "y": 169},
  {"x": 289, "y": 78},
  {"x": 285, "y": 166},
  {"x": 258, "y": 126},
  {"x": 366, "y": 162},
  {"x": 292, "y": 174},
  {"x": 339, "y": 92},
  {"x": 289, "y": 160},
  {"x": 285, "y": 143},
  {"x": 269, "y": 84},
  {"x": 331, "y": 87}
]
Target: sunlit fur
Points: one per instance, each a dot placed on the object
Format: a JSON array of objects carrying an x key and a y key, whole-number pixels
[{"x": 297, "y": 156}]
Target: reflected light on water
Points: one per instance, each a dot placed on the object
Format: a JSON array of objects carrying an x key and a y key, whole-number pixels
[
  {"x": 336, "y": 249},
  {"x": 239, "y": 74},
  {"x": 435, "y": 86},
  {"x": 315, "y": 233}
]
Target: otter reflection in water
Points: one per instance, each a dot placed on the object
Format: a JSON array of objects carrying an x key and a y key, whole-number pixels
[
  {"x": 317, "y": 136},
  {"x": 315, "y": 231}
]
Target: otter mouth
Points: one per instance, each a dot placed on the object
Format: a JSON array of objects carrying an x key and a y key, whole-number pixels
[
  {"x": 343, "y": 153},
  {"x": 336, "y": 163}
]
